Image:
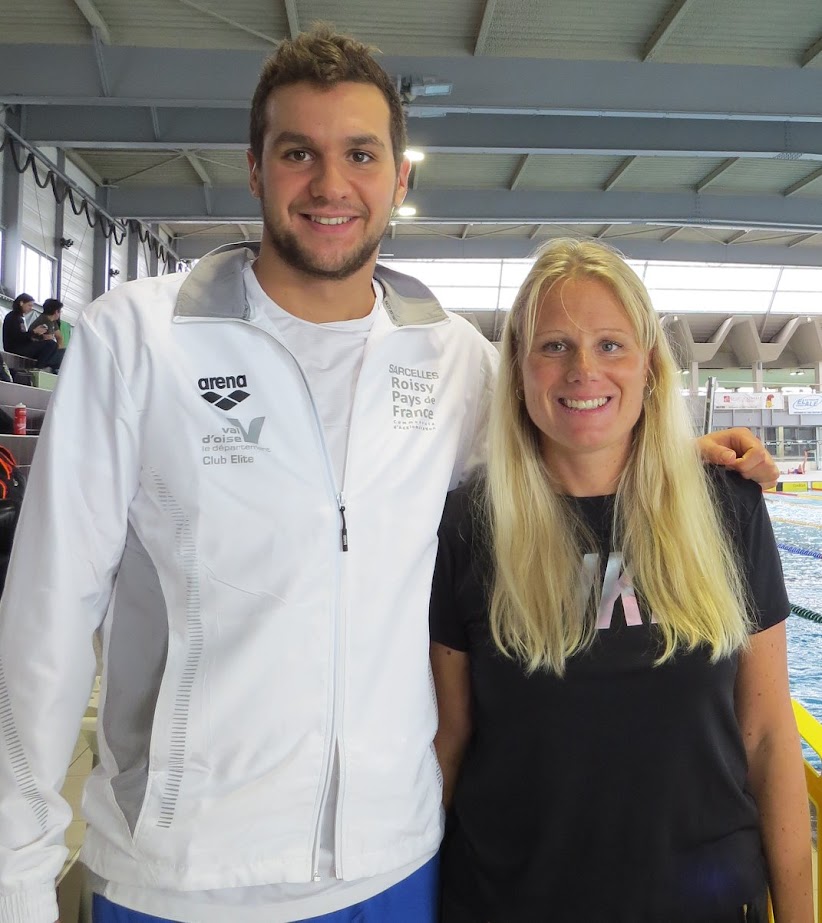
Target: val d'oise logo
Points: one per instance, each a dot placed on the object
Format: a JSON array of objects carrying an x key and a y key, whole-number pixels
[{"x": 211, "y": 388}]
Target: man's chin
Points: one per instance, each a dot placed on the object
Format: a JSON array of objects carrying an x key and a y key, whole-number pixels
[{"x": 332, "y": 268}]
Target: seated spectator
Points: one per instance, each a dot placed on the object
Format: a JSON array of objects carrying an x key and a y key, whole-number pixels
[
  {"x": 18, "y": 339},
  {"x": 51, "y": 319}
]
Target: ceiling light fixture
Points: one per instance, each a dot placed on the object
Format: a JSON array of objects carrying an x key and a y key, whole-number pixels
[
  {"x": 412, "y": 87},
  {"x": 414, "y": 156},
  {"x": 406, "y": 211}
]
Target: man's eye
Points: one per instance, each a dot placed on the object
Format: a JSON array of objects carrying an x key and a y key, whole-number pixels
[
  {"x": 361, "y": 157},
  {"x": 298, "y": 156}
]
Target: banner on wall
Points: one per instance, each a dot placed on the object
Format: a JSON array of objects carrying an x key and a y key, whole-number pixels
[
  {"x": 748, "y": 401},
  {"x": 805, "y": 403}
]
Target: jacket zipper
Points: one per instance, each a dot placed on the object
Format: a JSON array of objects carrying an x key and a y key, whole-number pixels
[
  {"x": 344, "y": 529},
  {"x": 340, "y": 502},
  {"x": 335, "y": 752}
]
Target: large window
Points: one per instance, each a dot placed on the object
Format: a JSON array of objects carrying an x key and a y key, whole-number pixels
[{"x": 36, "y": 274}]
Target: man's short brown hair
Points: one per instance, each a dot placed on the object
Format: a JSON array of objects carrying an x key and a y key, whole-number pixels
[{"x": 324, "y": 58}]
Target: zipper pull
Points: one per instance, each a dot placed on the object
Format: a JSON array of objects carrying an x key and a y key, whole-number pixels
[{"x": 344, "y": 532}]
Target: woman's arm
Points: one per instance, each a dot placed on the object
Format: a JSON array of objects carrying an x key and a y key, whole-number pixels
[
  {"x": 452, "y": 679},
  {"x": 775, "y": 773},
  {"x": 739, "y": 450}
]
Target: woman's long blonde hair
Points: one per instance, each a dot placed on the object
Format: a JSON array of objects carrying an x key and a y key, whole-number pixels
[{"x": 666, "y": 523}]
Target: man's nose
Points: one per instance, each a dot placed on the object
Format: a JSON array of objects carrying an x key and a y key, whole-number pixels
[{"x": 329, "y": 181}]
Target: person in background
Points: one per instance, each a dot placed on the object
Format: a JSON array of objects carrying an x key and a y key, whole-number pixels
[
  {"x": 608, "y": 640},
  {"x": 252, "y": 522},
  {"x": 24, "y": 341},
  {"x": 52, "y": 309}
]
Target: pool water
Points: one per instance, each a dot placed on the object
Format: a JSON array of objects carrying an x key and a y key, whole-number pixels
[{"x": 798, "y": 521}]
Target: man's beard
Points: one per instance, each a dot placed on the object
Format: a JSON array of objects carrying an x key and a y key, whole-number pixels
[{"x": 292, "y": 252}]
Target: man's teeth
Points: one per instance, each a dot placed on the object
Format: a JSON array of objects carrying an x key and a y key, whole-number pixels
[
  {"x": 318, "y": 219},
  {"x": 584, "y": 405}
]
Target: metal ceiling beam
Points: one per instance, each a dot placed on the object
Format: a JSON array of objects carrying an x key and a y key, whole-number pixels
[
  {"x": 293, "y": 18},
  {"x": 102, "y": 73},
  {"x": 665, "y": 29},
  {"x": 535, "y": 231},
  {"x": 155, "y": 123},
  {"x": 617, "y": 136},
  {"x": 811, "y": 53},
  {"x": 199, "y": 169},
  {"x": 670, "y": 234},
  {"x": 437, "y": 247},
  {"x": 736, "y": 236},
  {"x": 603, "y": 231},
  {"x": 801, "y": 239},
  {"x": 465, "y": 231},
  {"x": 478, "y": 206},
  {"x": 523, "y": 163},
  {"x": 618, "y": 173},
  {"x": 802, "y": 183},
  {"x": 213, "y": 14},
  {"x": 716, "y": 173},
  {"x": 95, "y": 19},
  {"x": 485, "y": 27},
  {"x": 86, "y": 167},
  {"x": 182, "y": 77}
]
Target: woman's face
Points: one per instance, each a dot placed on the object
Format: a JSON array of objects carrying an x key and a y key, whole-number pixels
[
  {"x": 584, "y": 377},
  {"x": 27, "y": 307}
]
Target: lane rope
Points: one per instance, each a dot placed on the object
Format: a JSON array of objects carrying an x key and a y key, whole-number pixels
[{"x": 798, "y": 549}]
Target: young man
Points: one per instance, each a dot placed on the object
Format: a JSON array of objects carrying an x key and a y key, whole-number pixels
[
  {"x": 50, "y": 318},
  {"x": 252, "y": 523}
]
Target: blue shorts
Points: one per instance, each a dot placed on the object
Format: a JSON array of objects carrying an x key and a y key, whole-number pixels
[{"x": 413, "y": 900}]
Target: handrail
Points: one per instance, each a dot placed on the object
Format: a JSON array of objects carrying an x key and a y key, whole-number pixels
[{"x": 810, "y": 730}]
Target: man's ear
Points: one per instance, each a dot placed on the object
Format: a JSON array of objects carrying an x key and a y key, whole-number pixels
[
  {"x": 402, "y": 182},
  {"x": 254, "y": 183}
]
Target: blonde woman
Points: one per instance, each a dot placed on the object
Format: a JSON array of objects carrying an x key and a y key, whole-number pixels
[{"x": 609, "y": 642}]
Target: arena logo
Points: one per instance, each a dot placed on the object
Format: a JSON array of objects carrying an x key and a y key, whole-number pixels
[{"x": 212, "y": 388}]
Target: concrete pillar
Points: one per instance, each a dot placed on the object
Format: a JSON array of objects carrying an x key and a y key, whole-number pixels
[
  {"x": 131, "y": 254},
  {"x": 758, "y": 376},
  {"x": 99, "y": 279},
  {"x": 152, "y": 254},
  {"x": 694, "y": 377},
  {"x": 11, "y": 215},
  {"x": 59, "y": 223}
]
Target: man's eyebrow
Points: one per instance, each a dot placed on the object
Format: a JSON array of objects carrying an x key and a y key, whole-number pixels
[
  {"x": 292, "y": 137},
  {"x": 295, "y": 137},
  {"x": 365, "y": 140}
]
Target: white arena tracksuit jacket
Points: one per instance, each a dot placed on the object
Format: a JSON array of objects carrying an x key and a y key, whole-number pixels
[{"x": 183, "y": 497}]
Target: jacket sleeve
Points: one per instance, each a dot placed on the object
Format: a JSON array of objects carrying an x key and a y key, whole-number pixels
[
  {"x": 84, "y": 475},
  {"x": 475, "y": 434}
]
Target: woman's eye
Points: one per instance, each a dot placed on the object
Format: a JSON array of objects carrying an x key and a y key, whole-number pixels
[
  {"x": 553, "y": 347},
  {"x": 609, "y": 346}
]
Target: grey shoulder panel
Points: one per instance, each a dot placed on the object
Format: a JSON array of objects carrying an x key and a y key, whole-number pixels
[
  {"x": 214, "y": 288},
  {"x": 407, "y": 301}
]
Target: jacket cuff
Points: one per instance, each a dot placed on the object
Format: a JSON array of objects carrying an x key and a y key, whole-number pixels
[{"x": 30, "y": 906}]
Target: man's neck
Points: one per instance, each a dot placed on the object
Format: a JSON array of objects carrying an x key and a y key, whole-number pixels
[{"x": 319, "y": 301}]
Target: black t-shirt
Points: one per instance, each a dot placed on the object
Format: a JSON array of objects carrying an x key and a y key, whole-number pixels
[
  {"x": 15, "y": 334},
  {"x": 616, "y": 794}
]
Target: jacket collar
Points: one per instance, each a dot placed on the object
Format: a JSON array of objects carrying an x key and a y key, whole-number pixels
[{"x": 214, "y": 289}]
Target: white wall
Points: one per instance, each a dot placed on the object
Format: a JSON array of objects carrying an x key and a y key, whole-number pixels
[
  {"x": 39, "y": 209},
  {"x": 78, "y": 260}
]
